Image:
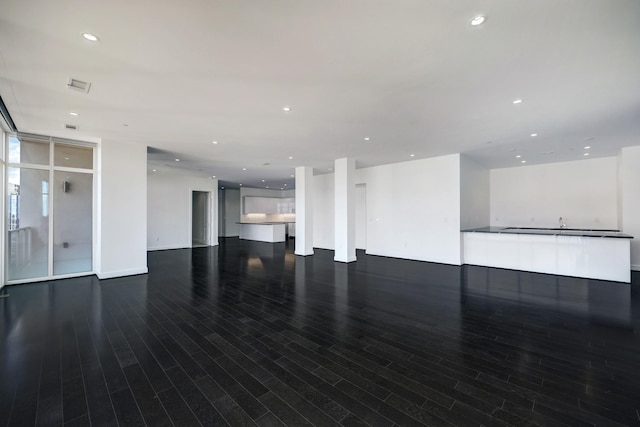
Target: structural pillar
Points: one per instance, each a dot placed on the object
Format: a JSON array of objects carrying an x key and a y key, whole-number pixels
[
  {"x": 304, "y": 210},
  {"x": 345, "y": 213},
  {"x": 629, "y": 199}
]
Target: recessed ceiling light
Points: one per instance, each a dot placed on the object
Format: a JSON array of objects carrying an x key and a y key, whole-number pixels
[
  {"x": 281, "y": 188},
  {"x": 587, "y": 147},
  {"x": 263, "y": 180},
  {"x": 292, "y": 176},
  {"x": 66, "y": 158},
  {"x": 214, "y": 142},
  {"x": 155, "y": 170},
  {"x": 517, "y": 101},
  {"x": 213, "y": 177},
  {"x": 366, "y": 138},
  {"x": 523, "y": 161},
  {"x": 412, "y": 155},
  {"x": 534, "y": 134},
  {"x": 290, "y": 158},
  {"x": 586, "y": 154},
  {"x": 222, "y": 188},
  {"x": 91, "y": 37},
  {"x": 287, "y": 109},
  {"x": 285, "y": 185},
  {"x": 177, "y": 160},
  {"x": 266, "y": 186},
  {"x": 240, "y": 185},
  {"x": 518, "y": 156},
  {"x": 73, "y": 113},
  {"x": 477, "y": 20},
  {"x": 244, "y": 169}
]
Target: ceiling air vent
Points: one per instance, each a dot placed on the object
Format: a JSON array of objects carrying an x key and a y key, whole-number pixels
[
  {"x": 71, "y": 127},
  {"x": 79, "y": 85}
]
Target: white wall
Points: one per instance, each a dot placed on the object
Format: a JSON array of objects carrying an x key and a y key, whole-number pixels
[
  {"x": 629, "y": 184},
  {"x": 122, "y": 209},
  {"x": 264, "y": 192},
  {"x": 413, "y": 209},
  {"x": 474, "y": 194},
  {"x": 323, "y": 211},
  {"x": 584, "y": 193},
  {"x": 169, "y": 205}
]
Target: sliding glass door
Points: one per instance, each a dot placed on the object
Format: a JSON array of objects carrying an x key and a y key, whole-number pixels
[{"x": 49, "y": 208}]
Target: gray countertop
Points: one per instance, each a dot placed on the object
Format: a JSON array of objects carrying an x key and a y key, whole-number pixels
[
  {"x": 266, "y": 223},
  {"x": 551, "y": 232}
]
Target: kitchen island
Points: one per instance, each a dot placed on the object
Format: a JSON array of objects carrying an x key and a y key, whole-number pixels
[
  {"x": 594, "y": 254},
  {"x": 263, "y": 231}
]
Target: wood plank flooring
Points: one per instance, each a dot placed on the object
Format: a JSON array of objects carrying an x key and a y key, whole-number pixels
[{"x": 249, "y": 334}]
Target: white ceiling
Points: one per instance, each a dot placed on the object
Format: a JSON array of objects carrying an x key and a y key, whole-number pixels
[{"x": 412, "y": 75}]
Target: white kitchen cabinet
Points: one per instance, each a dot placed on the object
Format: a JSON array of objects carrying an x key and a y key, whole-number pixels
[
  {"x": 604, "y": 258},
  {"x": 268, "y": 205},
  {"x": 286, "y": 205}
]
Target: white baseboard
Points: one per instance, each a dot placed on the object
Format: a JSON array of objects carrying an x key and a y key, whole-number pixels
[
  {"x": 167, "y": 247},
  {"x": 304, "y": 254},
  {"x": 122, "y": 273},
  {"x": 348, "y": 260},
  {"x": 635, "y": 267}
]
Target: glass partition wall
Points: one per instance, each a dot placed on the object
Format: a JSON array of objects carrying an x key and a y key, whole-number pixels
[{"x": 49, "y": 208}]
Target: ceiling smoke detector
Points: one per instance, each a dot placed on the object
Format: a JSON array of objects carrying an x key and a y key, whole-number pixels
[{"x": 78, "y": 85}]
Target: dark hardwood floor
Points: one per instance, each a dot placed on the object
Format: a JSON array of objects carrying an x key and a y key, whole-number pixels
[{"x": 247, "y": 333}]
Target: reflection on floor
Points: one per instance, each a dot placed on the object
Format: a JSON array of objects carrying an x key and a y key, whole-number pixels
[{"x": 248, "y": 333}]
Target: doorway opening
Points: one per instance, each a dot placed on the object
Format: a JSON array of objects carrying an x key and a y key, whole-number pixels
[
  {"x": 361, "y": 216},
  {"x": 200, "y": 219}
]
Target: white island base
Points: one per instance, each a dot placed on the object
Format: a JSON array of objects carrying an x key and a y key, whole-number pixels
[
  {"x": 263, "y": 232},
  {"x": 578, "y": 256}
]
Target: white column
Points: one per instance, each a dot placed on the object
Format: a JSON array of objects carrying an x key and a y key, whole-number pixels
[
  {"x": 122, "y": 233},
  {"x": 345, "y": 213},
  {"x": 304, "y": 210},
  {"x": 629, "y": 199}
]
